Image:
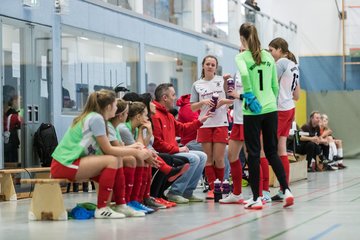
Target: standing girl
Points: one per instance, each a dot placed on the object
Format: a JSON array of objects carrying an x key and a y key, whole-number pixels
[
  {"x": 207, "y": 94},
  {"x": 258, "y": 74},
  {"x": 85, "y": 152},
  {"x": 288, "y": 75}
]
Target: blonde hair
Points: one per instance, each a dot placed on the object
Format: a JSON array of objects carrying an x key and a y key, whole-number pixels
[
  {"x": 135, "y": 108},
  {"x": 96, "y": 102},
  {"x": 249, "y": 33}
]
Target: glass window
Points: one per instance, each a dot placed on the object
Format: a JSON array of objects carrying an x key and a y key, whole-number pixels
[
  {"x": 163, "y": 66},
  {"x": 128, "y": 4},
  {"x": 91, "y": 62},
  {"x": 215, "y": 18}
]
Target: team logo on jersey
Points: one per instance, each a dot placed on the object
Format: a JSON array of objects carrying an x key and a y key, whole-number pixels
[
  {"x": 218, "y": 84},
  {"x": 91, "y": 150}
]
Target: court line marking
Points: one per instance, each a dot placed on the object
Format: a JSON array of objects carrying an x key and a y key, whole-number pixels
[{"x": 326, "y": 231}]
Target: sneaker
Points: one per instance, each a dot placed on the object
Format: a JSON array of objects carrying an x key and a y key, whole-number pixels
[
  {"x": 168, "y": 204},
  {"x": 341, "y": 166},
  {"x": 255, "y": 205},
  {"x": 176, "y": 172},
  {"x": 128, "y": 211},
  {"x": 279, "y": 197},
  {"x": 193, "y": 198},
  {"x": 150, "y": 202},
  {"x": 177, "y": 198},
  {"x": 107, "y": 212},
  {"x": 266, "y": 197},
  {"x": 232, "y": 199},
  {"x": 210, "y": 194},
  {"x": 288, "y": 198},
  {"x": 244, "y": 183},
  {"x": 138, "y": 206}
]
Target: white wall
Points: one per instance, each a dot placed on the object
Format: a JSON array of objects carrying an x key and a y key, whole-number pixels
[{"x": 319, "y": 27}]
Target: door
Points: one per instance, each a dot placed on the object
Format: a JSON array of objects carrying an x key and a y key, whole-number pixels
[{"x": 26, "y": 77}]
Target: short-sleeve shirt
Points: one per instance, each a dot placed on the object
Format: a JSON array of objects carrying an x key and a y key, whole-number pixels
[
  {"x": 288, "y": 74},
  {"x": 114, "y": 135},
  {"x": 261, "y": 80},
  {"x": 238, "y": 113},
  {"x": 126, "y": 134},
  {"x": 204, "y": 89},
  {"x": 80, "y": 140}
]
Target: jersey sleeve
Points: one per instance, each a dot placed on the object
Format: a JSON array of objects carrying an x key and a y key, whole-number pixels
[
  {"x": 275, "y": 82},
  {"x": 194, "y": 97},
  {"x": 97, "y": 125},
  {"x": 126, "y": 135},
  {"x": 244, "y": 72}
]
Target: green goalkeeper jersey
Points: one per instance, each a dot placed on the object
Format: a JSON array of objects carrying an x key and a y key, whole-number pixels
[{"x": 261, "y": 80}]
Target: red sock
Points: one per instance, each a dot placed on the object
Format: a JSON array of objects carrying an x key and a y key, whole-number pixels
[
  {"x": 265, "y": 173},
  {"x": 164, "y": 168},
  {"x": 137, "y": 184},
  {"x": 236, "y": 175},
  {"x": 261, "y": 182},
  {"x": 210, "y": 175},
  {"x": 144, "y": 184},
  {"x": 106, "y": 184},
  {"x": 129, "y": 173},
  {"x": 119, "y": 187},
  {"x": 219, "y": 173},
  {"x": 286, "y": 164},
  {"x": 148, "y": 185}
]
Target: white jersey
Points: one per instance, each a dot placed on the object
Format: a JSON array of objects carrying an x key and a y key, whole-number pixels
[
  {"x": 238, "y": 113},
  {"x": 288, "y": 74},
  {"x": 204, "y": 89}
]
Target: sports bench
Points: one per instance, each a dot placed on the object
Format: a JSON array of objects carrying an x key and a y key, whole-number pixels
[
  {"x": 47, "y": 202},
  {"x": 7, "y": 190}
]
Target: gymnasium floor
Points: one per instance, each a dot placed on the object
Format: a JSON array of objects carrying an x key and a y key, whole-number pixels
[{"x": 327, "y": 207}]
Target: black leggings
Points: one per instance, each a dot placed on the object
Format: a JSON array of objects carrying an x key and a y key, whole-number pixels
[
  {"x": 267, "y": 124},
  {"x": 160, "y": 181},
  {"x": 310, "y": 149}
]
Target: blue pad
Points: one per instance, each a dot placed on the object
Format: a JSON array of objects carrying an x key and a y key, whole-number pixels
[{"x": 252, "y": 103}]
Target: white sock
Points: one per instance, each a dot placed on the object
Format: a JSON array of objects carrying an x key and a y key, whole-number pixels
[
  {"x": 333, "y": 150},
  {"x": 340, "y": 152}
]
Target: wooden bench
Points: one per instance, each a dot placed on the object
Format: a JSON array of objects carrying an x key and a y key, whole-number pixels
[
  {"x": 47, "y": 201},
  {"x": 7, "y": 190},
  {"x": 298, "y": 170}
]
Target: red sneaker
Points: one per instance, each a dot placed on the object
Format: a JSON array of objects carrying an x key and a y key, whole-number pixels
[
  {"x": 168, "y": 204},
  {"x": 210, "y": 194},
  {"x": 177, "y": 172}
]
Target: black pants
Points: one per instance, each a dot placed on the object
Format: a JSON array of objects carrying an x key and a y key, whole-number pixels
[
  {"x": 160, "y": 181},
  {"x": 267, "y": 124},
  {"x": 310, "y": 149}
]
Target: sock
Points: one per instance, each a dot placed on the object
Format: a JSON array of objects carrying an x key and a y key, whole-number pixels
[
  {"x": 219, "y": 173},
  {"x": 236, "y": 174},
  {"x": 164, "y": 167},
  {"x": 286, "y": 165},
  {"x": 210, "y": 175},
  {"x": 332, "y": 150},
  {"x": 137, "y": 184},
  {"x": 129, "y": 182},
  {"x": 265, "y": 173},
  {"x": 340, "y": 152},
  {"x": 261, "y": 182},
  {"x": 119, "y": 187},
  {"x": 106, "y": 184},
  {"x": 144, "y": 184},
  {"x": 148, "y": 185}
]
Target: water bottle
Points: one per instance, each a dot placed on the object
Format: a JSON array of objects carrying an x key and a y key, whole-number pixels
[
  {"x": 230, "y": 86},
  {"x": 226, "y": 188},
  {"x": 217, "y": 190},
  {"x": 214, "y": 99}
]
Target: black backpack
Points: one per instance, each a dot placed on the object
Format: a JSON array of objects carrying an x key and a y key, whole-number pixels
[{"x": 45, "y": 142}]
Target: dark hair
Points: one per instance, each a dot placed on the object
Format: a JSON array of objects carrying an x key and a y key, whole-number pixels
[
  {"x": 203, "y": 62},
  {"x": 284, "y": 46},
  {"x": 96, "y": 102},
  {"x": 249, "y": 33},
  {"x": 161, "y": 90},
  {"x": 133, "y": 97},
  {"x": 146, "y": 99},
  {"x": 313, "y": 113}
]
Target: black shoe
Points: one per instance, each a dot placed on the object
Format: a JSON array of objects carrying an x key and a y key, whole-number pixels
[
  {"x": 85, "y": 186},
  {"x": 336, "y": 158},
  {"x": 150, "y": 202},
  {"x": 176, "y": 172},
  {"x": 75, "y": 187},
  {"x": 277, "y": 198}
]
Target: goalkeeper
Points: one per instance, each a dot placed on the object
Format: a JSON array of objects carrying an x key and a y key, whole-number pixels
[{"x": 258, "y": 73}]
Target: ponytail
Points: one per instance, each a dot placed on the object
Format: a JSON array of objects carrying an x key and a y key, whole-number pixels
[
  {"x": 249, "y": 32},
  {"x": 284, "y": 46}
]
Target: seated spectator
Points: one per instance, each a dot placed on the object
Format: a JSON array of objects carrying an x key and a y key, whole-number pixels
[
  {"x": 335, "y": 145},
  {"x": 310, "y": 145}
]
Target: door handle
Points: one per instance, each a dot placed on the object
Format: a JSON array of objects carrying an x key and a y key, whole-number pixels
[
  {"x": 30, "y": 113},
  {"x": 36, "y": 113}
]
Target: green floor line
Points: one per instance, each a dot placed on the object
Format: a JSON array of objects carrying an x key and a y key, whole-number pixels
[{"x": 327, "y": 194}]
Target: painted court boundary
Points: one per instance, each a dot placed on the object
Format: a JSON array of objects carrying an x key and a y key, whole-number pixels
[{"x": 266, "y": 215}]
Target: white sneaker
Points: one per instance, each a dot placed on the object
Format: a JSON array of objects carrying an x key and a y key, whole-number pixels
[
  {"x": 288, "y": 198},
  {"x": 128, "y": 211},
  {"x": 255, "y": 205},
  {"x": 232, "y": 199},
  {"x": 107, "y": 212},
  {"x": 177, "y": 198},
  {"x": 266, "y": 197}
]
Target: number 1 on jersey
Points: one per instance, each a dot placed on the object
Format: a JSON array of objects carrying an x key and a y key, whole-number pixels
[{"x": 261, "y": 79}]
